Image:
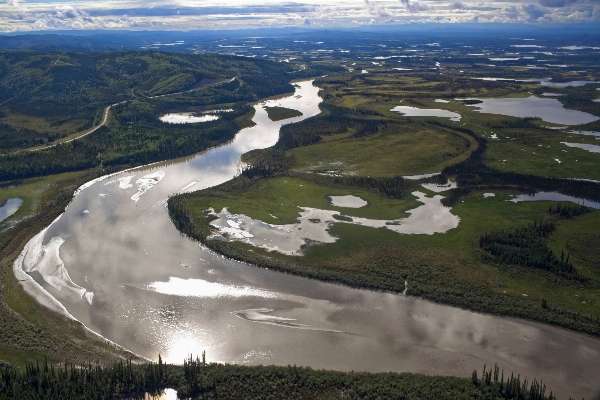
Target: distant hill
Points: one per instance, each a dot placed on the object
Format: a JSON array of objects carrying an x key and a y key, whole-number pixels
[{"x": 77, "y": 84}]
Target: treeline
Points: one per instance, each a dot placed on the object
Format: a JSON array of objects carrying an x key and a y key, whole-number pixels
[
  {"x": 473, "y": 173},
  {"x": 197, "y": 379},
  {"x": 394, "y": 187},
  {"x": 53, "y": 84},
  {"x": 13, "y": 138},
  {"x": 527, "y": 247},
  {"x": 334, "y": 120},
  {"x": 140, "y": 138},
  {"x": 568, "y": 210},
  {"x": 68, "y": 381},
  {"x": 72, "y": 89}
]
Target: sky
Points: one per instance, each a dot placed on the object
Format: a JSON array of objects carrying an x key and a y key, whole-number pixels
[{"x": 36, "y": 15}]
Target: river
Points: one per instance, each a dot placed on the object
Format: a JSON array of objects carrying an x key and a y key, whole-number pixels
[{"x": 127, "y": 274}]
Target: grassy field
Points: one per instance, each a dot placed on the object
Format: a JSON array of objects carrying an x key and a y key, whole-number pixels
[
  {"x": 276, "y": 201},
  {"x": 279, "y": 113},
  {"x": 407, "y": 151},
  {"x": 367, "y": 139},
  {"x": 33, "y": 192},
  {"x": 538, "y": 155},
  {"x": 581, "y": 238}
]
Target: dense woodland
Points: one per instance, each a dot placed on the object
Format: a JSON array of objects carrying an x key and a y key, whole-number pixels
[
  {"x": 526, "y": 246},
  {"x": 197, "y": 379},
  {"x": 78, "y": 86}
]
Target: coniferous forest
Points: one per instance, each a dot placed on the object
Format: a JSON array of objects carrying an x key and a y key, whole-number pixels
[{"x": 197, "y": 379}]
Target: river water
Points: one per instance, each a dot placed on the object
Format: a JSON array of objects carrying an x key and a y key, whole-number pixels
[{"x": 127, "y": 274}]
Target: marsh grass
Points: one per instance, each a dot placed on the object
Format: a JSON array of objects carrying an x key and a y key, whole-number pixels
[{"x": 356, "y": 135}]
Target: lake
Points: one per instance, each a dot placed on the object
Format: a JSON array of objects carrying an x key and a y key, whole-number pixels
[{"x": 549, "y": 110}]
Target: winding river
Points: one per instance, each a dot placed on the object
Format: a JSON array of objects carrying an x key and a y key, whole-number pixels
[{"x": 125, "y": 272}]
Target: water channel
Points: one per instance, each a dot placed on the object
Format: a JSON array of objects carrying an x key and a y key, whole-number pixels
[
  {"x": 130, "y": 276},
  {"x": 10, "y": 207}
]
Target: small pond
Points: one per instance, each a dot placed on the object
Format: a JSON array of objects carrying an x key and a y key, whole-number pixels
[
  {"x": 186, "y": 118},
  {"x": 438, "y": 187},
  {"x": 553, "y": 196},
  {"x": 594, "y": 148},
  {"x": 591, "y": 133},
  {"x": 426, "y": 112},
  {"x": 422, "y": 176},
  {"x": 565, "y": 84},
  {"x": 347, "y": 201},
  {"x": 549, "y": 110},
  {"x": 9, "y": 208}
]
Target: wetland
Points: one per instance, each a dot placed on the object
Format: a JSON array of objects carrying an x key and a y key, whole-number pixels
[{"x": 328, "y": 227}]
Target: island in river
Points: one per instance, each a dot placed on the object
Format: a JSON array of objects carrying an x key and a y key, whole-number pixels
[{"x": 169, "y": 287}]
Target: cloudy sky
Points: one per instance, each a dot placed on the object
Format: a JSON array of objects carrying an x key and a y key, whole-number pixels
[{"x": 22, "y": 15}]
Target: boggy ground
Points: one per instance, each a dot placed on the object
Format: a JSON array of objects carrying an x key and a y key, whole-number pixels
[{"x": 357, "y": 136}]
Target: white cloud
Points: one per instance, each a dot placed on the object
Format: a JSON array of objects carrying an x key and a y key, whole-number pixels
[
  {"x": 375, "y": 9},
  {"x": 16, "y": 15},
  {"x": 414, "y": 6},
  {"x": 534, "y": 12},
  {"x": 556, "y": 3}
]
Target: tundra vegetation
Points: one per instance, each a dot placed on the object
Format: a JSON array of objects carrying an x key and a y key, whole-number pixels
[
  {"x": 504, "y": 258},
  {"x": 500, "y": 251}
]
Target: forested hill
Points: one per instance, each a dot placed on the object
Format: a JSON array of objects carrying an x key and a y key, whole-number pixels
[
  {"x": 77, "y": 84},
  {"x": 45, "y": 97}
]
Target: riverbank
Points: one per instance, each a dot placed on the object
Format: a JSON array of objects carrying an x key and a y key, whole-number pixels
[
  {"x": 177, "y": 296},
  {"x": 29, "y": 330}
]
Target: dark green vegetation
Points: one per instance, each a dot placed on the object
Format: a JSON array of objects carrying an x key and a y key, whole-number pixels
[
  {"x": 197, "y": 379},
  {"x": 45, "y": 97},
  {"x": 493, "y": 262},
  {"x": 278, "y": 113},
  {"x": 526, "y": 246},
  {"x": 355, "y": 129}
]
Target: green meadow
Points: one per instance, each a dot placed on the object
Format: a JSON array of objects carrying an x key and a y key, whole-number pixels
[{"x": 358, "y": 136}]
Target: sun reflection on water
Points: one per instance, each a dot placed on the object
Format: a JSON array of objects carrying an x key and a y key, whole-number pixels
[
  {"x": 201, "y": 288},
  {"x": 183, "y": 345}
]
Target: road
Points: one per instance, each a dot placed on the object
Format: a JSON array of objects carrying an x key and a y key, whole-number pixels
[{"x": 107, "y": 110}]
